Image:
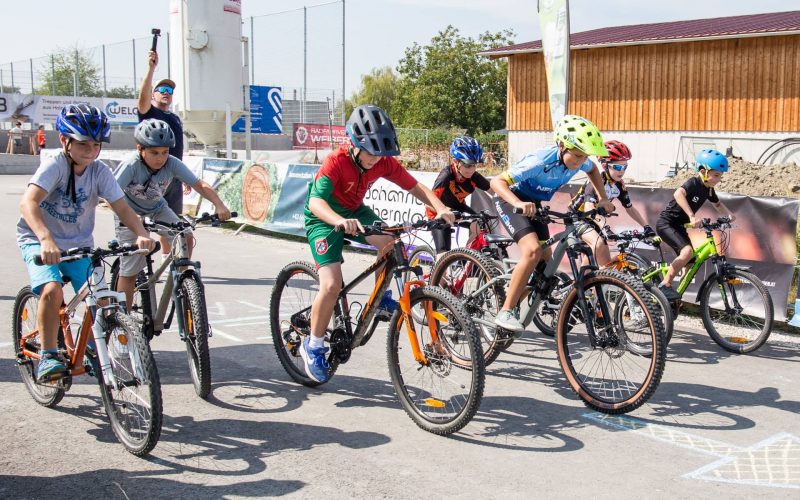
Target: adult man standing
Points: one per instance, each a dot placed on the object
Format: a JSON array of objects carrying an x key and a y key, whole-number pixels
[{"x": 154, "y": 102}]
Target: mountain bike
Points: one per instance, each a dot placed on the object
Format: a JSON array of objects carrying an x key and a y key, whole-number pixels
[
  {"x": 735, "y": 305},
  {"x": 108, "y": 346},
  {"x": 435, "y": 363},
  {"x": 612, "y": 362},
  {"x": 183, "y": 293}
]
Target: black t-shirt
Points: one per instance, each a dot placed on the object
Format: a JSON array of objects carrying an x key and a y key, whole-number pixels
[
  {"x": 614, "y": 190},
  {"x": 453, "y": 191},
  {"x": 696, "y": 194},
  {"x": 174, "y": 123}
]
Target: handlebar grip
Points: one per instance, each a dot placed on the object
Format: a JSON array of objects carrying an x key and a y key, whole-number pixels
[
  {"x": 517, "y": 210},
  {"x": 234, "y": 214},
  {"x": 38, "y": 260}
]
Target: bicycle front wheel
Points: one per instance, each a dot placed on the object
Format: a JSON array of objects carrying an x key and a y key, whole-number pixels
[
  {"x": 442, "y": 392},
  {"x": 424, "y": 257},
  {"x": 140, "y": 307},
  {"x": 466, "y": 274},
  {"x": 23, "y": 323},
  {"x": 133, "y": 399},
  {"x": 630, "y": 317},
  {"x": 290, "y": 318},
  {"x": 195, "y": 323},
  {"x": 613, "y": 368},
  {"x": 738, "y": 312}
]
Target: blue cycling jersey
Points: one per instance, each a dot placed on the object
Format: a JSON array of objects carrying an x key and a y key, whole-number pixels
[{"x": 538, "y": 175}]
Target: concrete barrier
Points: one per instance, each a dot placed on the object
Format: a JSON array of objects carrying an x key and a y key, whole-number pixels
[{"x": 18, "y": 164}]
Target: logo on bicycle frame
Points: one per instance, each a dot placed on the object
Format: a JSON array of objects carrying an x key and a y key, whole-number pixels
[{"x": 321, "y": 246}]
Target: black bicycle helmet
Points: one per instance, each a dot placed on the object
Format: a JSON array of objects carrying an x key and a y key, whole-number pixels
[
  {"x": 371, "y": 130},
  {"x": 152, "y": 133}
]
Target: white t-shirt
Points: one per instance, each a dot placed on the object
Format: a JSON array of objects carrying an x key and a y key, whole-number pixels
[{"x": 144, "y": 189}]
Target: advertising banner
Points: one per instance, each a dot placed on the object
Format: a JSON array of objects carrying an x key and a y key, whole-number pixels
[
  {"x": 316, "y": 136},
  {"x": 17, "y": 107},
  {"x": 266, "y": 110},
  {"x": 554, "y": 23},
  {"x": 121, "y": 111}
]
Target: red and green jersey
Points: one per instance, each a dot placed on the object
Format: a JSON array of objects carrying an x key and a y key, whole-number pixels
[{"x": 343, "y": 185}]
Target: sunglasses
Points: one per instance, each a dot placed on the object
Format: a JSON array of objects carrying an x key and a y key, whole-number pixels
[
  {"x": 165, "y": 90},
  {"x": 619, "y": 167}
]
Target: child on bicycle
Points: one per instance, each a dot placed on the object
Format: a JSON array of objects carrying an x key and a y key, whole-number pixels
[
  {"x": 682, "y": 211},
  {"x": 58, "y": 213},
  {"x": 534, "y": 179},
  {"x": 335, "y": 201},
  {"x": 454, "y": 183},
  {"x": 144, "y": 178},
  {"x": 614, "y": 166}
]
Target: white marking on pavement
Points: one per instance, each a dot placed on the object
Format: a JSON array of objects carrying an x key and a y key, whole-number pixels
[
  {"x": 254, "y": 306},
  {"x": 238, "y": 320},
  {"x": 772, "y": 462},
  {"x": 5, "y": 344},
  {"x": 217, "y": 331}
]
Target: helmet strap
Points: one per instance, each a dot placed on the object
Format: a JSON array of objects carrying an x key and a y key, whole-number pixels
[
  {"x": 355, "y": 158},
  {"x": 71, "y": 181}
]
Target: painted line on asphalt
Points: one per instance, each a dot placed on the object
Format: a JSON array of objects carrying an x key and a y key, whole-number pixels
[
  {"x": 217, "y": 331},
  {"x": 254, "y": 306}
]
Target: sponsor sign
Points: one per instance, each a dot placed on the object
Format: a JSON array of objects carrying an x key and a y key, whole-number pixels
[
  {"x": 266, "y": 111},
  {"x": 316, "y": 136}
]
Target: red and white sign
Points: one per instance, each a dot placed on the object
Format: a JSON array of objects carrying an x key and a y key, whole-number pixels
[{"x": 316, "y": 136}]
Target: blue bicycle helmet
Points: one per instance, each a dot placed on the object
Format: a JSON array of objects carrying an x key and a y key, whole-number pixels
[
  {"x": 712, "y": 159},
  {"x": 371, "y": 130},
  {"x": 83, "y": 122},
  {"x": 466, "y": 149}
]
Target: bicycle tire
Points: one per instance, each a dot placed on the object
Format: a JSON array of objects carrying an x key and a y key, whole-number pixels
[
  {"x": 134, "y": 368},
  {"x": 423, "y": 256},
  {"x": 195, "y": 321},
  {"x": 736, "y": 342},
  {"x": 624, "y": 315},
  {"x": 483, "y": 307},
  {"x": 595, "y": 354},
  {"x": 547, "y": 319},
  {"x": 430, "y": 407},
  {"x": 287, "y": 343},
  {"x": 23, "y": 321},
  {"x": 140, "y": 306}
]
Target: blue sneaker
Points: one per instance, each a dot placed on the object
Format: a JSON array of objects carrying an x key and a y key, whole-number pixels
[
  {"x": 317, "y": 366},
  {"x": 50, "y": 367},
  {"x": 387, "y": 306}
]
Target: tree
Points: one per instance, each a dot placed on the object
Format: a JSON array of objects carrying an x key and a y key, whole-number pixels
[
  {"x": 447, "y": 84},
  {"x": 58, "y": 74},
  {"x": 379, "y": 87},
  {"x": 123, "y": 92}
]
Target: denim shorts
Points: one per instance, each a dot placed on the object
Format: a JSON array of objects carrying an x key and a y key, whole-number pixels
[{"x": 76, "y": 271}]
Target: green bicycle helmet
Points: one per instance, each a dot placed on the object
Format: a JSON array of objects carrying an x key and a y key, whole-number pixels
[{"x": 578, "y": 132}]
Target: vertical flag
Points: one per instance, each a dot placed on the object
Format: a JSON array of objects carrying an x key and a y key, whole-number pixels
[{"x": 554, "y": 23}]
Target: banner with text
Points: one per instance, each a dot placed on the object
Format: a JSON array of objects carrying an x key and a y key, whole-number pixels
[
  {"x": 316, "y": 136},
  {"x": 554, "y": 24}
]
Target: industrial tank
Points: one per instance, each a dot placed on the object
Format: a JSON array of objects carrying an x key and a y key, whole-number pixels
[{"x": 206, "y": 64}]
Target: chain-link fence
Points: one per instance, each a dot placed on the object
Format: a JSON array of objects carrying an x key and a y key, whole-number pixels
[{"x": 299, "y": 50}]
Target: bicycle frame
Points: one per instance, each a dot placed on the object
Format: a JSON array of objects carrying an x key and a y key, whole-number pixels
[{"x": 707, "y": 250}]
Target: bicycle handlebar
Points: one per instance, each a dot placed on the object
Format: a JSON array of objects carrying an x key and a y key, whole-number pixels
[
  {"x": 114, "y": 248},
  {"x": 377, "y": 228},
  {"x": 187, "y": 223},
  {"x": 545, "y": 214},
  {"x": 708, "y": 225},
  {"x": 482, "y": 215},
  {"x": 630, "y": 236}
]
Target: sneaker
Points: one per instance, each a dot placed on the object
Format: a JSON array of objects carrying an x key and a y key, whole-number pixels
[
  {"x": 50, "y": 368},
  {"x": 669, "y": 293},
  {"x": 509, "y": 321},
  {"x": 316, "y": 365},
  {"x": 387, "y": 307}
]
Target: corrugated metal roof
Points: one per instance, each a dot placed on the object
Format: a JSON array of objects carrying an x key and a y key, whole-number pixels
[{"x": 719, "y": 27}]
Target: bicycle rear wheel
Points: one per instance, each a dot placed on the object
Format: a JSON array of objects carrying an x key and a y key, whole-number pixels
[
  {"x": 602, "y": 368},
  {"x": 23, "y": 322},
  {"x": 630, "y": 317},
  {"x": 442, "y": 394},
  {"x": 463, "y": 272},
  {"x": 290, "y": 318},
  {"x": 139, "y": 308},
  {"x": 195, "y": 321},
  {"x": 737, "y": 313},
  {"x": 133, "y": 403}
]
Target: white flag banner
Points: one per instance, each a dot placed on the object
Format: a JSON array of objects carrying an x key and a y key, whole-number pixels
[{"x": 554, "y": 22}]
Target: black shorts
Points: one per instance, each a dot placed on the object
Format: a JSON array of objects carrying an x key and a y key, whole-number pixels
[
  {"x": 673, "y": 234},
  {"x": 174, "y": 196},
  {"x": 519, "y": 225}
]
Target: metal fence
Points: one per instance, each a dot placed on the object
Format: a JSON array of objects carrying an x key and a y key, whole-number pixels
[{"x": 299, "y": 50}]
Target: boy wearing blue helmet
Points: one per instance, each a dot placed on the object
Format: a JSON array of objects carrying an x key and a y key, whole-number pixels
[
  {"x": 682, "y": 210},
  {"x": 455, "y": 182},
  {"x": 58, "y": 213}
]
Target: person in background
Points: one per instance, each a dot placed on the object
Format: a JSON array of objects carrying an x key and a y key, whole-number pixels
[{"x": 41, "y": 141}]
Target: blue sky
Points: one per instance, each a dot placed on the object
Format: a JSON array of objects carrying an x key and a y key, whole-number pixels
[{"x": 378, "y": 31}]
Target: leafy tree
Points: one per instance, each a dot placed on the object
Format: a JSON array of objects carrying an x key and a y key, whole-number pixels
[
  {"x": 123, "y": 92},
  {"x": 58, "y": 72},
  {"x": 447, "y": 84},
  {"x": 379, "y": 87}
]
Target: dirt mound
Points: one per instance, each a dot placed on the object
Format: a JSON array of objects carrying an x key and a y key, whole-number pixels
[{"x": 752, "y": 179}]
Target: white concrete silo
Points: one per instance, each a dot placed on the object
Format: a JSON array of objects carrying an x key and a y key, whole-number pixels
[{"x": 206, "y": 64}]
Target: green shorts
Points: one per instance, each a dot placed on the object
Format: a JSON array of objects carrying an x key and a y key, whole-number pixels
[{"x": 327, "y": 244}]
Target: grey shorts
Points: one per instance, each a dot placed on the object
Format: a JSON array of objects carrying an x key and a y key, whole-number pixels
[{"x": 131, "y": 265}]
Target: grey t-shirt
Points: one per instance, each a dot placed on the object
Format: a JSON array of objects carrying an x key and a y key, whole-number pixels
[
  {"x": 144, "y": 189},
  {"x": 71, "y": 224}
]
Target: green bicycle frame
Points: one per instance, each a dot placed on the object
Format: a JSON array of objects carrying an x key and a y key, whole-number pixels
[{"x": 701, "y": 254}]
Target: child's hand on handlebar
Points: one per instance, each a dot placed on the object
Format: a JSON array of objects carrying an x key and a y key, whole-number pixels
[
  {"x": 223, "y": 213},
  {"x": 605, "y": 206},
  {"x": 51, "y": 254},
  {"x": 446, "y": 215},
  {"x": 528, "y": 209},
  {"x": 349, "y": 226},
  {"x": 145, "y": 243}
]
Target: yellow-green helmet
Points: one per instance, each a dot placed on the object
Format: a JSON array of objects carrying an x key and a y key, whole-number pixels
[{"x": 578, "y": 132}]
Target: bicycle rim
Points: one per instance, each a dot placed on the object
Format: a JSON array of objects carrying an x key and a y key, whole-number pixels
[
  {"x": 133, "y": 404},
  {"x": 738, "y": 313},
  {"x": 195, "y": 321},
  {"x": 23, "y": 322},
  {"x": 619, "y": 368},
  {"x": 424, "y": 257},
  {"x": 442, "y": 395}
]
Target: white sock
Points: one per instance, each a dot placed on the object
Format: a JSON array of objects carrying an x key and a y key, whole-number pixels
[{"x": 315, "y": 342}]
